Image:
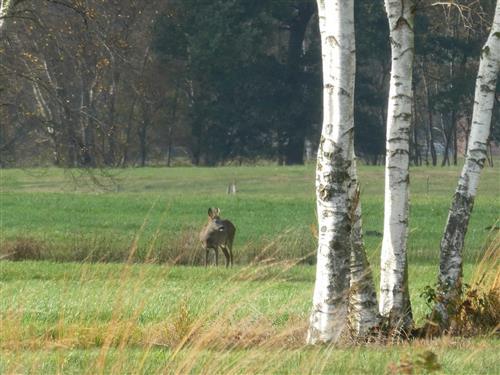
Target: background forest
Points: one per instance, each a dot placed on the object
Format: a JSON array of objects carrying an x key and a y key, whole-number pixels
[{"x": 135, "y": 83}]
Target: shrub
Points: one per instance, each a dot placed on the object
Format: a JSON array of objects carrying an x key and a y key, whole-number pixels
[{"x": 22, "y": 248}]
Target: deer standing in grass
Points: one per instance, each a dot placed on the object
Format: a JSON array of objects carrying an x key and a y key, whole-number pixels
[{"x": 217, "y": 234}]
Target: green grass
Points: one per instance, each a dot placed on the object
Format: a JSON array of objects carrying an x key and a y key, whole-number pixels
[
  {"x": 330, "y": 361},
  {"x": 74, "y": 317},
  {"x": 72, "y": 216},
  {"x": 48, "y": 291}
]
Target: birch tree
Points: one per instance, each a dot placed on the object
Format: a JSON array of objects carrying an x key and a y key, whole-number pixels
[
  {"x": 394, "y": 296},
  {"x": 363, "y": 313},
  {"x": 5, "y": 7},
  {"x": 452, "y": 242},
  {"x": 328, "y": 321}
]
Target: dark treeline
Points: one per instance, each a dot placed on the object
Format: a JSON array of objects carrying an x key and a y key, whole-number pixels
[{"x": 131, "y": 82}]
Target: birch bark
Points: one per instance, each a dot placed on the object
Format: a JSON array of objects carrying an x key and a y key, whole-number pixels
[
  {"x": 394, "y": 296},
  {"x": 363, "y": 312},
  {"x": 5, "y": 7},
  {"x": 452, "y": 242},
  {"x": 328, "y": 321}
]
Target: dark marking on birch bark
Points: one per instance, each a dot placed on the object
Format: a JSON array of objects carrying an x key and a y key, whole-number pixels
[
  {"x": 399, "y": 151},
  {"x": 394, "y": 43},
  {"x": 329, "y": 87},
  {"x": 450, "y": 266},
  {"x": 332, "y": 41},
  {"x": 403, "y": 115},
  {"x": 479, "y": 162},
  {"x": 339, "y": 259},
  {"x": 398, "y": 139},
  {"x": 344, "y": 92},
  {"x": 487, "y": 88}
]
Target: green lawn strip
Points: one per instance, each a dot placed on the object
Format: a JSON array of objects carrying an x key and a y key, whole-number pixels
[
  {"x": 45, "y": 293},
  {"x": 459, "y": 357}
]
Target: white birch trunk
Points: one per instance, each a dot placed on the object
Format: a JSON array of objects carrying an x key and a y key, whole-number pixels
[
  {"x": 452, "y": 242},
  {"x": 363, "y": 312},
  {"x": 394, "y": 297},
  {"x": 5, "y": 6},
  {"x": 328, "y": 321}
]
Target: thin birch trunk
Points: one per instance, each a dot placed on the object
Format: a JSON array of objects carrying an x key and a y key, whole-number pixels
[
  {"x": 452, "y": 242},
  {"x": 394, "y": 297},
  {"x": 363, "y": 311},
  {"x": 328, "y": 321},
  {"x": 5, "y": 7}
]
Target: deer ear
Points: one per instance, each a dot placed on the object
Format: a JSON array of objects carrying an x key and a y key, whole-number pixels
[
  {"x": 217, "y": 211},
  {"x": 210, "y": 212}
]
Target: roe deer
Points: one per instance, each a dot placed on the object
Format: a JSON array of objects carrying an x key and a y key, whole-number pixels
[{"x": 218, "y": 233}]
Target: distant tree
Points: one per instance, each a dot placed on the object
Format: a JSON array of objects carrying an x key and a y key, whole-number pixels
[
  {"x": 373, "y": 57},
  {"x": 299, "y": 81},
  {"x": 447, "y": 41},
  {"x": 251, "y": 88},
  {"x": 228, "y": 81},
  {"x": 81, "y": 79}
]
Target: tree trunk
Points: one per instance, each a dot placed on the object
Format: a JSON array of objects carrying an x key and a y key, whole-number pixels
[
  {"x": 111, "y": 134},
  {"x": 294, "y": 149},
  {"x": 431, "y": 141},
  {"x": 143, "y": 145},
  {"x": 143, "y": 135},
  {"x": 72, "y": 140},
  {"x": 295, "y": 129},
  {"x": 450, "y": 268},
  {"x": 447, "y": 137},
  {"x": 363, "y": 312},
  {"x": 169, "y": 147},
  {"x": 394, "y": 297},
  {"x": 328, "y": 321},
  {"x": 455, "y": 141},
  {"x": 87, "y": 146},
  {"x": 5, "y": 7},
  {"x": 467, "y": 134},
  {"x": 128, "y": 134},
  {"x": 429, "y": 114},
  {"x": 417, "y": 157},
  {"x": 173, "y": 119}
]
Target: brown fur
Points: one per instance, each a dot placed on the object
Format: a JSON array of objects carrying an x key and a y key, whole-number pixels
[{"x": 218, "y": 233}]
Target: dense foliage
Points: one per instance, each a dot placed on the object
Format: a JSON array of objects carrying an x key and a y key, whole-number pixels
[{"x": 129, "y": 82}]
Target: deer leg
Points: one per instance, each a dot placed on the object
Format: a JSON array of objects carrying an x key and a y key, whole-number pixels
[
  {"x": 206, "y": 257},
  {"x": 230, "y": 248},
  {"x": 216, "y": 256},
  {"x": 226, "y": 254}
]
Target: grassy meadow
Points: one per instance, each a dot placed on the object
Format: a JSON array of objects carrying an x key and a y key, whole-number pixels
[{"x": 110, "y": 281}]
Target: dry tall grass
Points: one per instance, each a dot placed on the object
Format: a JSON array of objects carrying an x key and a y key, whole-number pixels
[{"x": 219, "y": 337}]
